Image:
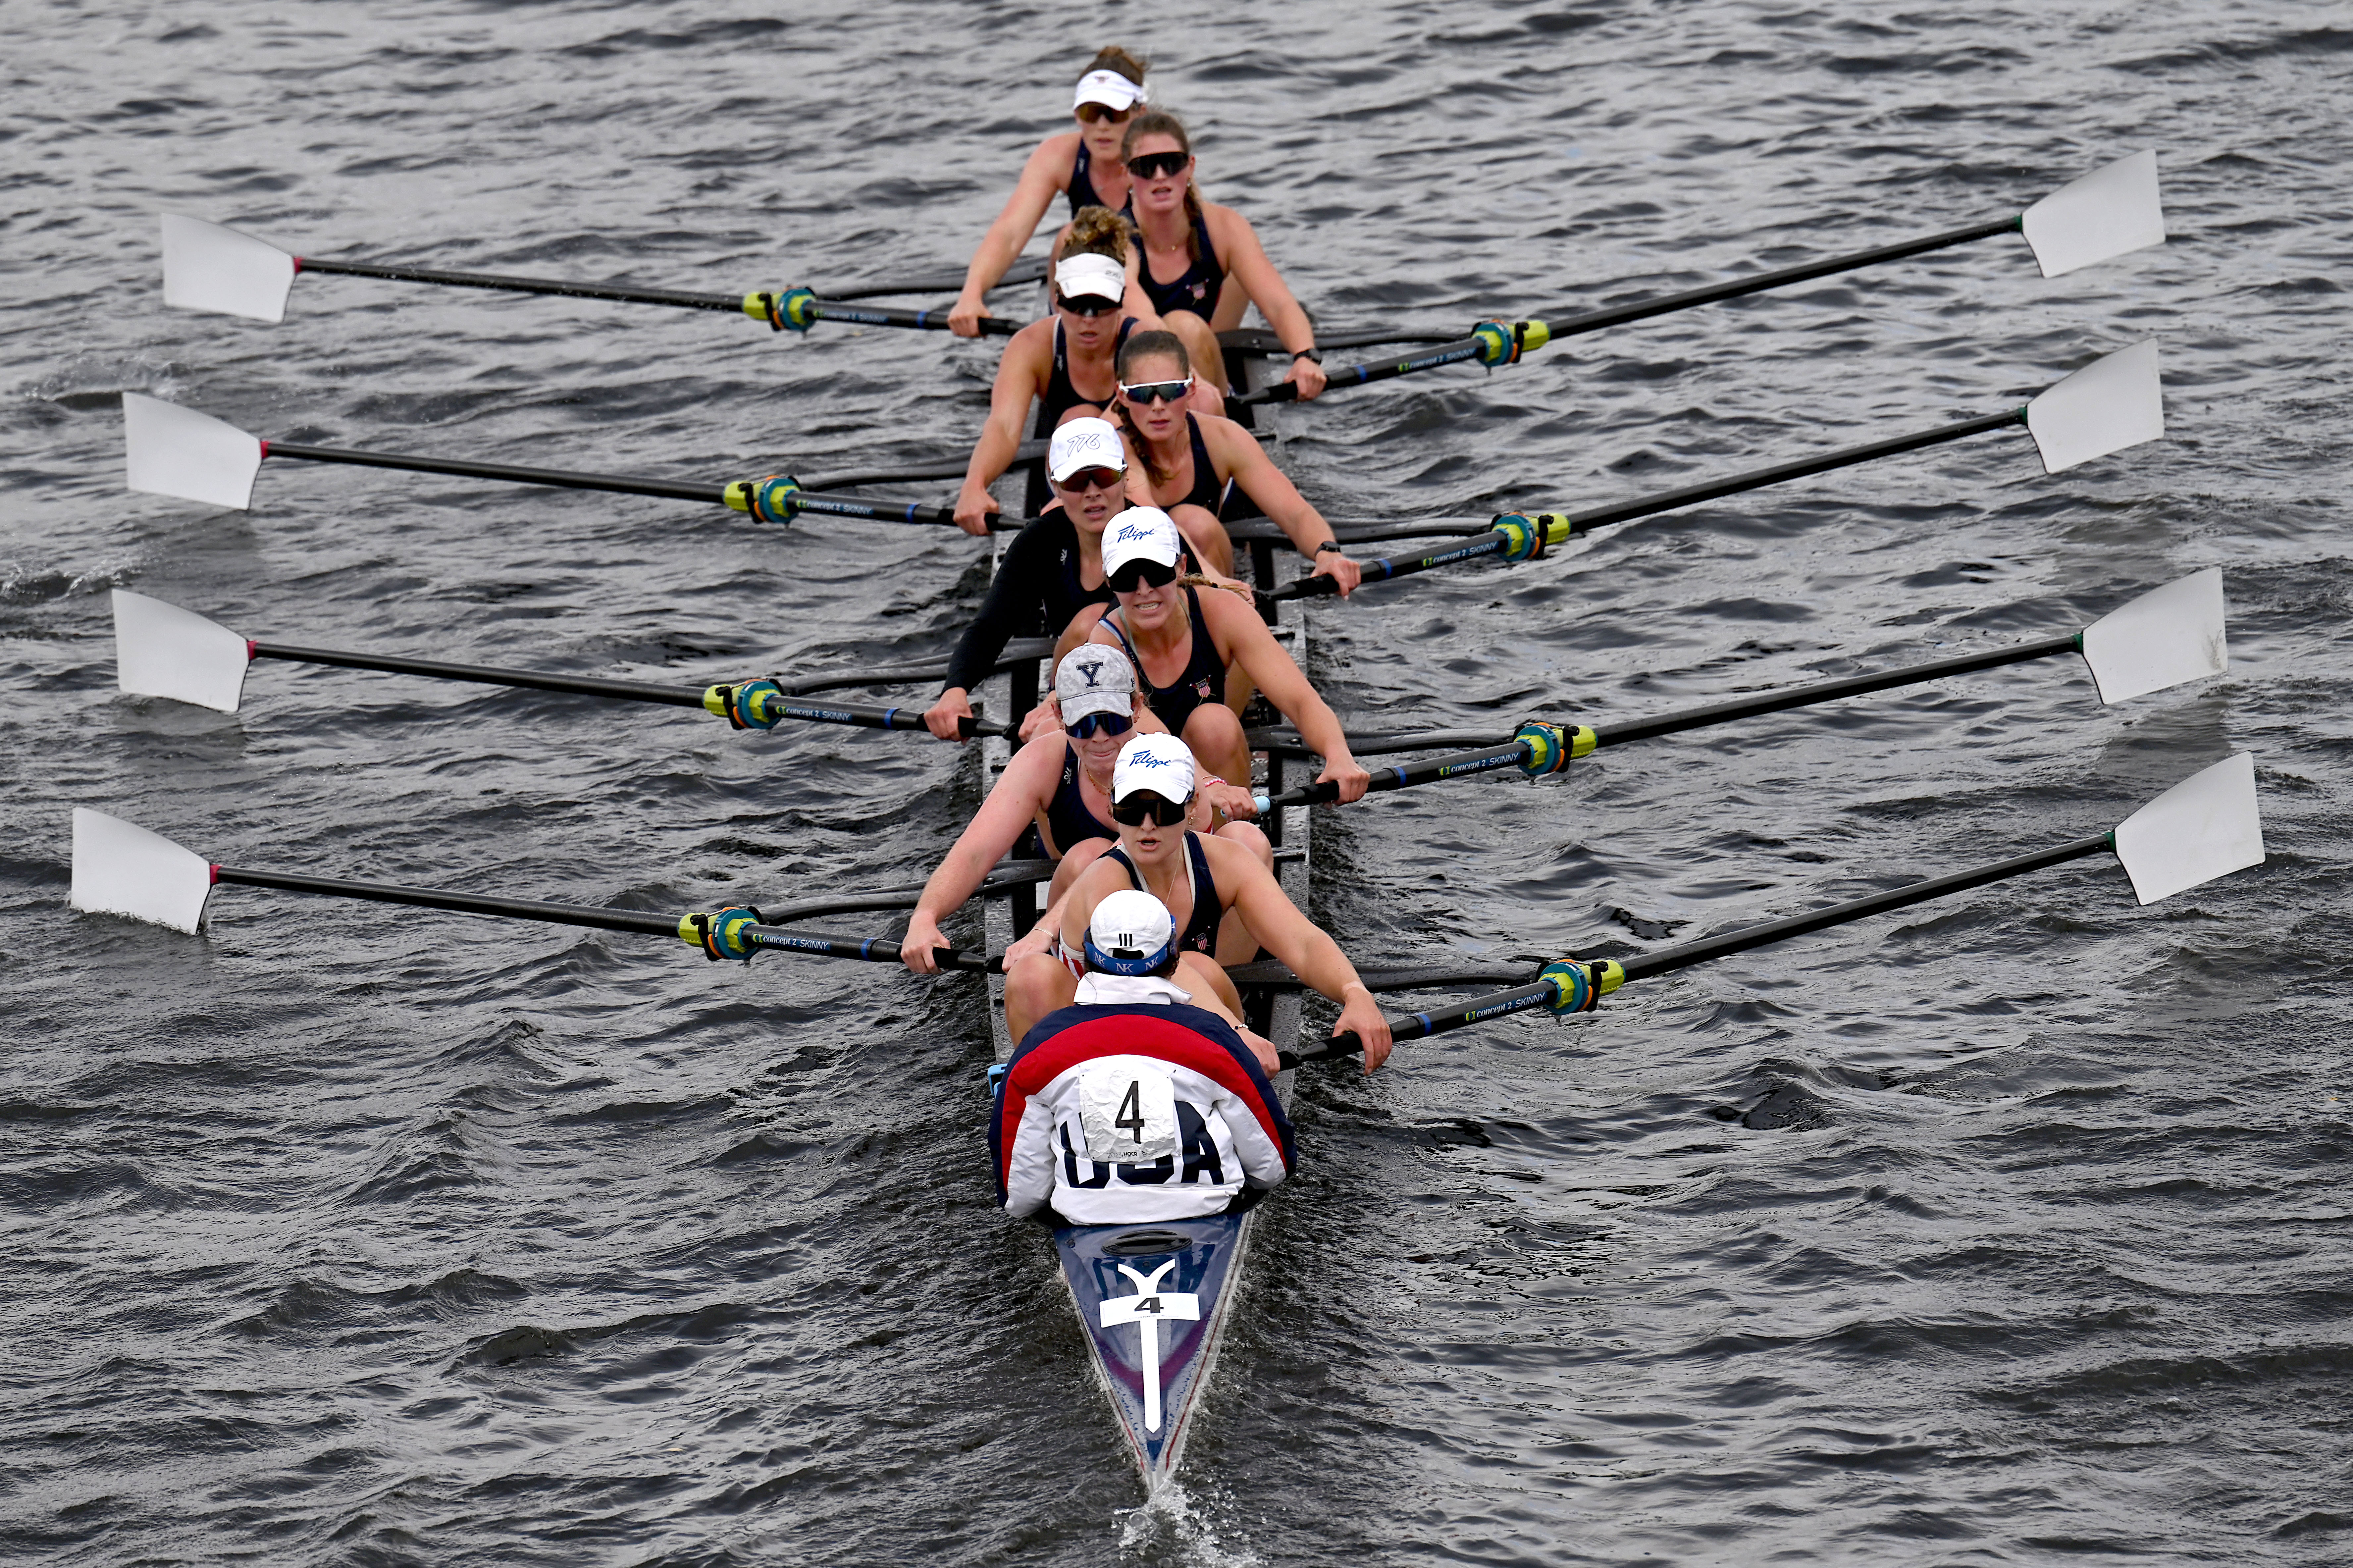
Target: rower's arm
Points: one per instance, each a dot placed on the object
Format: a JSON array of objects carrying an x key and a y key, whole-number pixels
[
  {"x": 1280, "y": 500},
  {"x": 1022, "y": 792},
  {"x": 1248, "y": 265},
  {"x": 1042, "y": 177},
  {"x": 1019, "y": 375},
  {"x": 1312, "y": 955},
  {"x": 1244, "y": 639}
]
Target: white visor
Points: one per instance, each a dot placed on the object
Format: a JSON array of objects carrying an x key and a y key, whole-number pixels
[
  {"x": 1085, "y": 444},
  {"x": 1088, "y": 275},
  {"x": 1110, "y": 88}
]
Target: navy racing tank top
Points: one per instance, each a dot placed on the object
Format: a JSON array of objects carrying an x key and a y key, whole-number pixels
[
  {"x": 1196, "y": 289},
  {"x": 1203, "y": 679},
  {"x": 1067, "y": 816},
  {"x": 1200, "y": 932},
  {"x": 1061, "y": 397}
]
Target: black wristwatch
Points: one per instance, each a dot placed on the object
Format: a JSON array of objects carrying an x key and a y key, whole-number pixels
[
  {"x": 1315, "y": 354},
  {"x": 1327, "y": 544}
]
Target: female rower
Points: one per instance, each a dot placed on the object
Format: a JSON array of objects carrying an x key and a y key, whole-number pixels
[
  {"x": 1085, "y": 165},
  {"x": 1188, "y": 459},
  {"x": 1053, "y": 567},
  {"x": 1184, "y": 643},
  {"x": 1205, "y": 259},
  {"x": 1224, "y": 900},
  {"x": 1064, "y": 364},
  {"x": 1053, "y": 801}
]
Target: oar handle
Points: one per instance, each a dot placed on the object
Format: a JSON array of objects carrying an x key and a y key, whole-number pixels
[
  {"x": 621, "y": 293},
  {"x": 671, "y": 490}
]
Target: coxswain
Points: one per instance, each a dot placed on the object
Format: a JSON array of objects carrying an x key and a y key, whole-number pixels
[
  {"x": 1053, "y": 568},
  {"x": 1224, "y": 900},
  {"x": 1204, "y": 258},
  {"x": 1085, "y": 165},
  {"x": 1189, "y": 459},
  {"x": 1063, "y": 364},
  {"x": 1187, "y": 643},
  {"x": 1144, "y": 1099},
  {"x": 1053, "y": 802}
]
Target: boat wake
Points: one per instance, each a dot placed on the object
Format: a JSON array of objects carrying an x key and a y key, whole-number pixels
[{"x": 1168, "y": 1528}]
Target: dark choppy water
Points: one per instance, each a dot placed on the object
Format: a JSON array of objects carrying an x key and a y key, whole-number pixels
[{"x": 2015, "y": 1231}]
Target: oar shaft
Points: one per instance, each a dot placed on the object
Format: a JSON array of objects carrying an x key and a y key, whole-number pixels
[
  {"x": 671, "y": 490},
  {"x": 1418, "y": 1026},
  {"x": 866, "y": 718},
  {"x": 462, "y": 903},
  {"x": 868, "y": 950},
  {"x": 1387, "y": 567},
  {"x": 1830, "y": 692},
  {"x": 1358, "y": 374},
  {"x": 1724, "y": 946},
  {"x": 1782, "y": 473},
  {"x": 923, "y": 321},
  {"x": 1758, "y": 282},
  {"x": 625, "y": 295},
  {"x": 483, "y": 675},
  {"x": 1392, "y": 776}
]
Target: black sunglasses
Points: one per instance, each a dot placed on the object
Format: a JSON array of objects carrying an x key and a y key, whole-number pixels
[
  {"x": 1095, "y": 724},
  {"x": 1152, "y": 165},
  {"x": 1131, "y": 812},
  {"x": 1133, "y": 576},
  {"x": 1144, "y": 395},
  {"x": 1096, "y": 305},
  {"x": 1087, "y": 480}
]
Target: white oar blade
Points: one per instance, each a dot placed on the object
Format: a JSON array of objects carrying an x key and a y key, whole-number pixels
[
  {"x": 2106, "y": 213},
  {"x": 2203, "y": 828},
  {"x": 2166, "y": 636},
  {"x": 2109, "y": 405},
  {"x": 120, "y": 869},
  {"x": 175, "y": 451},
  {"x": 209, "y": 268},
  {"x": 162, "y": 650}
]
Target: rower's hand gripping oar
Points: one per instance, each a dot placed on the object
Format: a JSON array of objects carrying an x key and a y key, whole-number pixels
[
  {"x": 170, "y": 450},
  {"x": 2106, "y": 214},
  {"x": 2206, "y": 826},
  {"x": 2115, "y": 402},
  {"x": 124, "y": 869},
  {"x": 162, "y": 650},
  {"x": 210, "y": 266},
  {"x": 2165, "y": 637}
]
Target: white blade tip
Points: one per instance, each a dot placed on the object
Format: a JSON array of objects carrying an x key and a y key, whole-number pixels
[
  {"x": 2206, "y": 826},
  {"x": 209, "y": 267},
  {"x": 162, "y": 650},
  {"x": 2109, "y": 213},
  {"x": 169, "y": 450},
  {"x": 2113, "y": 403},
  {"x": 122, "y": 870},
  {"x": 2167, "y": 636}
]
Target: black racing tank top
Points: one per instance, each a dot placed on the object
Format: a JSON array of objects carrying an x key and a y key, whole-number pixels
[
  {"x": 1203, "y": 679},
  {"x": 1081, "y": 190},
  {"x": 1207, "y": 489},
  {"x": 1067, "y": 816},
  {"x": 1197, "y": 288},
  {"x": 1060, "y": 399},
  {"x": 1200, "y": 932}
]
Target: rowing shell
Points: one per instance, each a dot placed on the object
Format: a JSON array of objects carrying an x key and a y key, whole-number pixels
[{"x": 1155, "y": 1299}]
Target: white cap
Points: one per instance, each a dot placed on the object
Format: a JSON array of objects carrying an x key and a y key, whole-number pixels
[
  {"x": 1085, "y": 444},
  {"x": 1095, "y": 678},
  {"x": 1141, "y": 533},
  {"x": 1159, "y": 763},
  {"x": 1130, "y": 933},
  {"x": 1076, "y": 276},
  {"x": 1110, "y": 88}
]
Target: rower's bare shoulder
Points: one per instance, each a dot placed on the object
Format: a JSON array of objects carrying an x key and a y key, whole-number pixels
[
  {"x": 1227, "y": 228},
  {"x": 1059, "y": 156}
]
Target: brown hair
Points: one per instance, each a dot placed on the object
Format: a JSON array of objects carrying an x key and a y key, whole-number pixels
[
  {"x": 1096, "y": 231},
  {"x": 1160, "y": 122},
  {"x": 1140, "y": 345},
  {"x": 1116, "y": 58}
]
